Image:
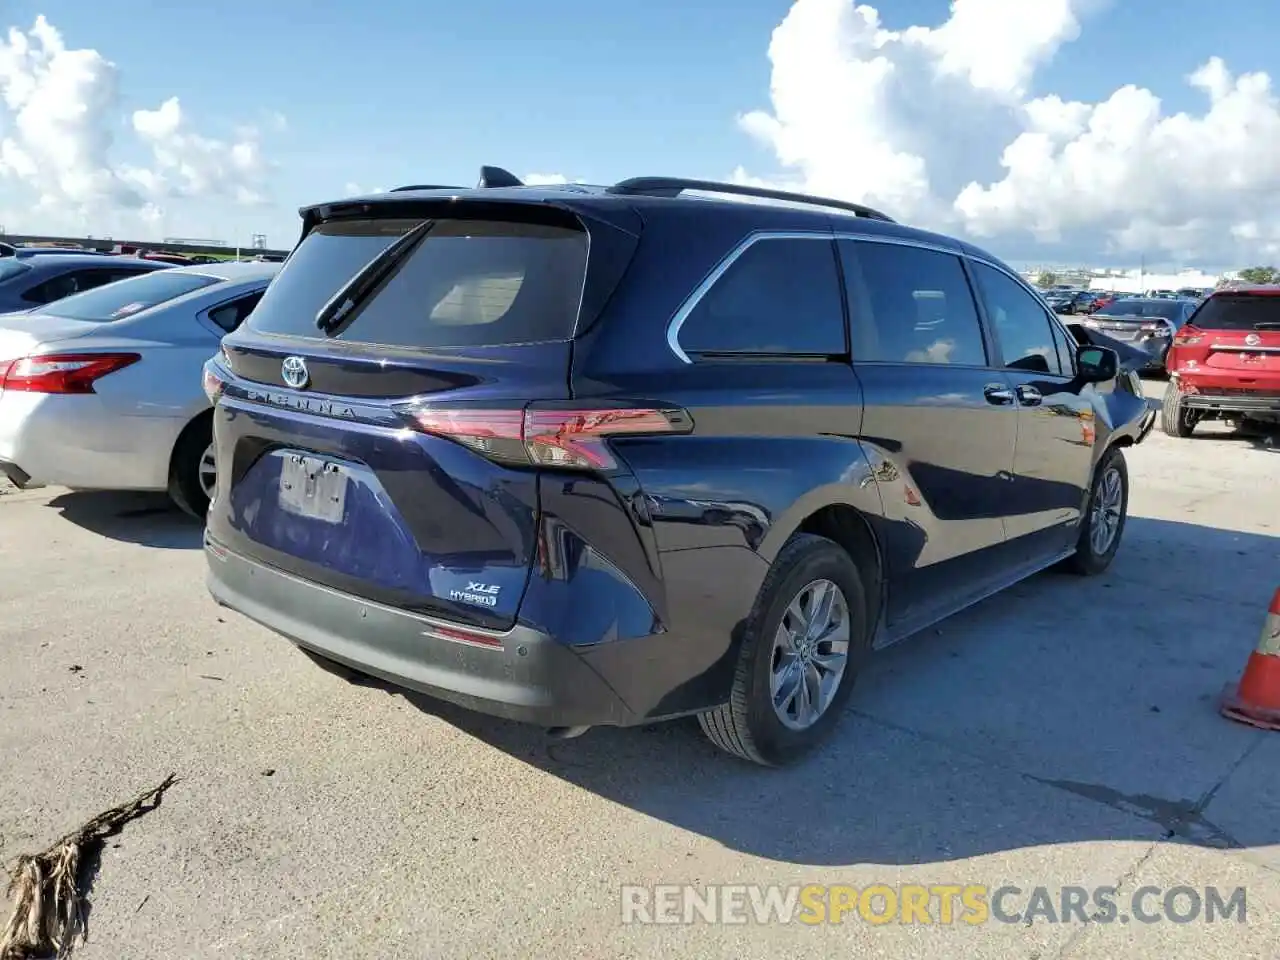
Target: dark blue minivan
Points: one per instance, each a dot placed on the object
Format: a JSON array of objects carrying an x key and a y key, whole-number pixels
[{"x": 579, "y": 456}]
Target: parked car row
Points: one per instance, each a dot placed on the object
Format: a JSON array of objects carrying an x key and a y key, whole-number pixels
[
  {"x": 101, "y": 389},
  {"x": 598, "y": 455}
]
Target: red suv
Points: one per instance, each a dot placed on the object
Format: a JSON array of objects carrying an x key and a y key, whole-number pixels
[{"x": 1225, "y": 362}]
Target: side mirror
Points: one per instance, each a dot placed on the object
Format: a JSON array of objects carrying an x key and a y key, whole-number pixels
[{"x": 1097, "y": 364}]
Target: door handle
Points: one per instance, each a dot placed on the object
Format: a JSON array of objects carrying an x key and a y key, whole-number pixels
[
  {"x": 997, "y": 393},
  {"x": 1029, "y": 396}
]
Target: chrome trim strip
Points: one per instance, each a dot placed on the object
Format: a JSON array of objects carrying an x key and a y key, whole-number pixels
[
  {"x": 691, "y": 302},
  {"x": 1236, "y": 348}
]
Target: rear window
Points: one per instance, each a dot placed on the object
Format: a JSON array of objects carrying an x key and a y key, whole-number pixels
[
  {"x": 469, "y": 283},
  {"x": 124, "y": 298},
  {"x": 11, "y": 268},
  {"x": 1144, "y": 308},
  {"x": 1239, "y": 311}
]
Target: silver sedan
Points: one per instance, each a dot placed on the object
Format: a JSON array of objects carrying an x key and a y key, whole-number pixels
[{"x": 102, "y": 390}]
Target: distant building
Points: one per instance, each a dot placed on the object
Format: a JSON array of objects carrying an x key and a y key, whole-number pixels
[{"x": 1139, "y": 281}]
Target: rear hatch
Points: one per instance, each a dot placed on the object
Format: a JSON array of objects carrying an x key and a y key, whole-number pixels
[
  {"x": 386, "y": 451},
  {"x": 1235, "y": 336},
  {"x": 1148, "y": 326}
]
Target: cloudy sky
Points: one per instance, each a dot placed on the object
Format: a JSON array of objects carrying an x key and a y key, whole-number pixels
[{"x": 1046, "y": 130}]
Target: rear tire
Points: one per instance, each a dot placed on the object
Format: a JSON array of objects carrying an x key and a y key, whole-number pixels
[
  {"x": 809, "y": 569},
  {"x": 1175, "y": 419},
  {"x": 1102, "y": 527},
  {"x": 189, "y": 468}
]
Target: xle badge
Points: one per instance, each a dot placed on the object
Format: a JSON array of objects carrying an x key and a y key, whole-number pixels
[{"x": 483, "y": 594}]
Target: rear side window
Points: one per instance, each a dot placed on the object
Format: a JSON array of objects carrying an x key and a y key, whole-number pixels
[
  {"x": 780, "y": 297},
  {"x": 229, "y": 316},
  {"x": 910, "y": 305},
  {"x": 1239, "y": 311},
  {"x": 115, "y": 301},
  {"x": 468, "y": 283}
]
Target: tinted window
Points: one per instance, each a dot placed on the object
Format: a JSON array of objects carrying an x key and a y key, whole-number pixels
[
  {"x": 779, "y": 297},
  {"x": 131, "y": 295},
  {"x": 910, "y": 305},
  {"x": 231, "y": 315},
  {"x": 468, "y": 283},
  {"x": 1065, "y": 347},
  {"x": 1239, "y": 311},
  {"x": 1133, "y": 307},
  {"x": 1021, "y": 323}
]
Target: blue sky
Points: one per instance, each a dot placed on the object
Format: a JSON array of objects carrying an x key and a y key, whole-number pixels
[{"x": 392, "y": 92}]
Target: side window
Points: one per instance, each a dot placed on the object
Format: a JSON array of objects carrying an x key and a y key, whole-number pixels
[
  {"x": 1065, "y": 347},
  {"x": 910, "y": 305},
  {"x": 88, "y": 279},
  {"x": 55, "y": 288},
  {"x": 75, "y": 281},
  {"x": 1021, "y": 324},
  {"x": 228, "y": 316},
  {"x": 781, "y": 296}
]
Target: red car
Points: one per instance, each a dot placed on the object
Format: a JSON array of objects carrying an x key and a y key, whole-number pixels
[{"x": 1224, "y": 363}]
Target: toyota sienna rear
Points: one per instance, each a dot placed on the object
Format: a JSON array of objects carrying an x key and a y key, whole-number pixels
[{"x": 588, "y": 456}]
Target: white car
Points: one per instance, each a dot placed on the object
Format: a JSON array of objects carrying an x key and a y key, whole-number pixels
[{"x": 102, "y": 390}]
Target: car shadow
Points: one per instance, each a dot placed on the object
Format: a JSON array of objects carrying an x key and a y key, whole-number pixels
[
  {"x": 1064, "y": 710},
  {"x": 149, "y": 519}
]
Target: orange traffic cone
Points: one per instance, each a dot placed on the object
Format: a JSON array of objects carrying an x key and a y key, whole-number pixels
[{"x": 1256, "y": 699}]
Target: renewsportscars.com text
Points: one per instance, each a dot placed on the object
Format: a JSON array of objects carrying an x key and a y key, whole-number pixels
[{"x": 945, "y": 904}]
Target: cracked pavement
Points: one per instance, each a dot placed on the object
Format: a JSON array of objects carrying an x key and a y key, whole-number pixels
[{"x": 1062, "y": 733}]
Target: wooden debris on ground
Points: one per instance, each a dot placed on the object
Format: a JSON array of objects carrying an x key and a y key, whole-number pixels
[{"x": 48, "y": 890}]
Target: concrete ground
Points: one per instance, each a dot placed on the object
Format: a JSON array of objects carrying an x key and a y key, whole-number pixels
[{"x": 1064, "y": 733}]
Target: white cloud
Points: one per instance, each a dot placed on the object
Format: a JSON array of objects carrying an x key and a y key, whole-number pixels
[
  {"x": 58, "y": 116},
  {"x": 353, "y": 189},
  {"x": 939, "y": 125},
  {"x": 547, "y": 179}
]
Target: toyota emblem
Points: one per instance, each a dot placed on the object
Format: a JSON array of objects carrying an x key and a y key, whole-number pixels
[
  {"x": 294, "y": 371},
  {"x": 1252, "y": 340}
]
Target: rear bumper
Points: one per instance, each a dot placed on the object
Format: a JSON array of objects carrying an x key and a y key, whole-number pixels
[
  {"x": 77, "y": 441},
  {"x": 1232, "y": 404},
  {"x": 522, "y": 675}
]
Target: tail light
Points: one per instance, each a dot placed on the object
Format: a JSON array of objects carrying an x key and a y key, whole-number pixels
[
  {"x": 574, "y": 439},
  {"x": 1188, "y": 336},
  {"x": 62, "y": 373},
  {"x": 212, "y": 383}
]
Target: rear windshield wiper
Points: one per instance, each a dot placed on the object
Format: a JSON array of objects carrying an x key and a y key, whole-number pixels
[
  {"x": 1267, "y": 325},
  {"x": 341, "y": 307}
]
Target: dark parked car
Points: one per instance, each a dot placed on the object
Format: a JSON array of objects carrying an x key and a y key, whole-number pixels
[
  {"x": 1073, "y": 302},
  {"x": 605, "y": 455},
  {"x": 1149, "y": 324},
  {"x": 28, "y": 281}
]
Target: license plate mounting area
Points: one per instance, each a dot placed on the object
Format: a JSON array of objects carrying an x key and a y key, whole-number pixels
[{"x": 313, "y": 487}]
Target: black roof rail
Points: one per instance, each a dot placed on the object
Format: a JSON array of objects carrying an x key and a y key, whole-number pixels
[
  {"x": 674, "y": 186},
  {"x": 425, "y": 186},
  {"x": 497, "y": 177}
]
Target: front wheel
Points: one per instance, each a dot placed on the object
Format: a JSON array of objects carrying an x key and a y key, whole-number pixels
[
  {"x": 1104, "y": 519},
  {"x": 803, "y": 646}
]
